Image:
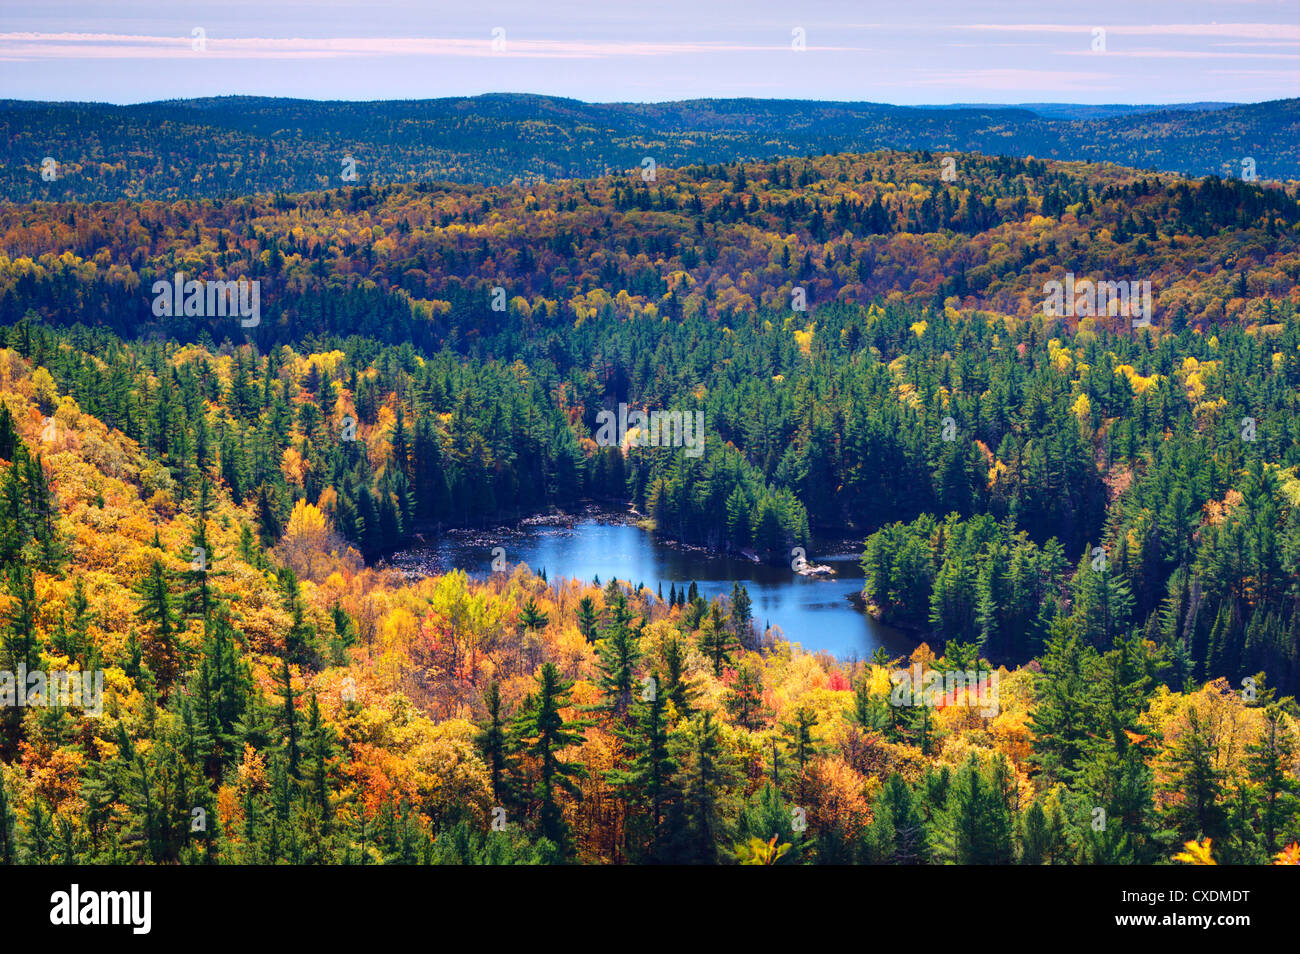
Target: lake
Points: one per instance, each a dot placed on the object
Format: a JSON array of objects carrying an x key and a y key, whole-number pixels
[{"x": 818, "y": 613}]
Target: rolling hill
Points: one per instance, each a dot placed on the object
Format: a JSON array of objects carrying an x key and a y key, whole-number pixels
[{"x": 229, "y": 146}]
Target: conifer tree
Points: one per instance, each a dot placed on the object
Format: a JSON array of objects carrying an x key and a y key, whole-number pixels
[
  {"x": 646, "y": 781},
  {"x": 587, "y": 618},
  {"x": 618, "y": 654},
  {"x": 493, "y": 741},
  {"x": 1195, "y": 786},
  {"x": 541, "y": 733},
  {"x": 1277, "y": 790},
  {"x": 705, "y": 780}
]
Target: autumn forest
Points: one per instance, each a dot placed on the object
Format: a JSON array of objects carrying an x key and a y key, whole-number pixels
[{"x": 1088, "y": 526}]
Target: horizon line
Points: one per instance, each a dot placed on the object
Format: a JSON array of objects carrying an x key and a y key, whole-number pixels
[{"x": 648, "y": 102}]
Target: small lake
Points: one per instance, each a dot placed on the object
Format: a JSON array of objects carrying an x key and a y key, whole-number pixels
[{"x": 819, "y": 613}]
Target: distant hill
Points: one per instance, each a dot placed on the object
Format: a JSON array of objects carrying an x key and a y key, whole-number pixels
[
  {"x": 1086, "y": 111},
  {"x": 250, "y": 145}
]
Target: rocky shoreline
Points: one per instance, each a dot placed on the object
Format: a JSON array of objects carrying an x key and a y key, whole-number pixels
[{"x": 423, "y": 556}]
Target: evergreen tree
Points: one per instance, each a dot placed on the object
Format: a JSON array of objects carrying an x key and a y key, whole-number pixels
[
  {"x": 897, "y": 833},
  {"x": 541, "y": 733},
  {"x": 1276, "y": 789},
  {"x": 646, "y": 782},
  {"x": 705, "y": 779},
  {"x": 1195, "y": 786},
  {"x": 975, "y": 826},
  {"x": 493, "y": 742}
]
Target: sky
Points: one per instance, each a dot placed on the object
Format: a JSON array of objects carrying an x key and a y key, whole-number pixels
[{"x": 911, "y": 52}]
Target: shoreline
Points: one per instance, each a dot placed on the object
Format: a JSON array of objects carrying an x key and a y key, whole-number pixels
[{"x": 502, "y": 532}]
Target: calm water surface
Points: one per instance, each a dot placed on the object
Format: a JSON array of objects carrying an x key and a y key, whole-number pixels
[{"x": 818, "y": 613}]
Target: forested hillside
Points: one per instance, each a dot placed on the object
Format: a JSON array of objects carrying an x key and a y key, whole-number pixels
[
  {"x": 237, "y": 146},
  {"x": 1100, "y": 520},
  {"x": 287, "y": 704},
  {"x": 422, "y": 263}
]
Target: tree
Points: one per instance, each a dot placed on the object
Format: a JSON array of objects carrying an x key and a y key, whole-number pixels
[
  {"x": 704, "y": 779},
  {"x": 587, "y": 619},
  {"x": 741, "y": 613},
  {"x": 199, "y": 598},
  {"x": 618, "y": 653},
  {"x": 975, "y": 826},
  {"x": 675, "y": 685},
  {"x": 1063, "y": 718},
  {"x": 531, "y": 618},
  {"x": 767, "y": 819},
  {"x": 716, "y": 640},
  {"x": 1278, "y": 792},
  {"x": 289, "y": 717},
  {"x": 8, "y": 852},
  {"x": 799, "y": 740},
  {"x": 647, "y": 779},
  {"x": 1042, "y": 833},
  {"x": 1195, "y": 785},
  {"x": 744, "y": 700},
  {"x": 897, "y": 833},
  {"x": 493, "y": 741},
  {"x": 320, "y": 747},
  {"x": 541, "y": 733},
  {"x": 156, "y": 608}
]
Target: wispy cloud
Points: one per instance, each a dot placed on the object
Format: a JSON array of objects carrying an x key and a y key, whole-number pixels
[
  {"x": 38, "y": 46},
  {"x": 1151, "y": 51},
  {"x": 1256, "y": 31}
]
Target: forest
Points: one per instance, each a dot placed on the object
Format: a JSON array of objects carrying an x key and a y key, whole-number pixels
[
  {"x": 230, "y": 146},
  {"x": 1103, "y": 520}
]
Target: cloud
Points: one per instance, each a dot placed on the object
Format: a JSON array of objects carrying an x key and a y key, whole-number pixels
[
  {"x": 44, "y": 46},
  {"x": 1245, "y": 31},
  {"x": 1181, "y": 54}
]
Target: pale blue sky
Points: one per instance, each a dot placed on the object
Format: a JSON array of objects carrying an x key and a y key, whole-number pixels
[{"x": 919, "y": 51}]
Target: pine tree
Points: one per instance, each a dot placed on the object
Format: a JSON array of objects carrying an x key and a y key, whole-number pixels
[
  {"x": 1194, "y": 784},
  {"x": 289, "y": 718},
  {"x": 320, "y": 747},
  {"x": 975, "y": 826},
  {"x": 156, "y": 608},
  {"x": 766, "y": 816},
  {"x": 799, "y": 740},
  {"x": 744, "y": 699},
  {"x": 897, "y": 833},
  {"x": 1042, "y": 835},
  {"x": 617, "y": 655},
  {"x": 199, "y": 598},
  {"x": 705, "y": 778},
  {"x": 1278, "y": 791},
  {"x": 8, "y": 848},
  {"x": 717, "y": 640},
  {"x": 741, "y": 613},
  {"x": 531, "y": 618},
  {"x": 540, "y": 732},
  {"x": 646, "y": 782},
  {"x": 586, "y": 618},
  {"x": 1063, "y": 719},
  {"x": 493, "y": 742},
  {"x": 675, "y": 684}
]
